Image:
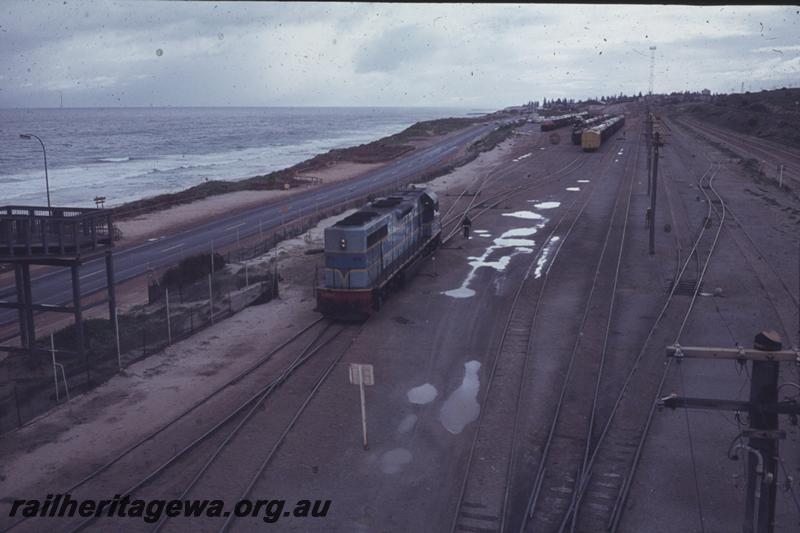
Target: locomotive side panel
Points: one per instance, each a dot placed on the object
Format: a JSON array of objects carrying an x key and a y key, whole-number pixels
[{"x": 366, "y": 250}]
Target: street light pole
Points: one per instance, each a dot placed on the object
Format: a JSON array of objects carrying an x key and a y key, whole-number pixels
[{"x": 46, "y": 179}]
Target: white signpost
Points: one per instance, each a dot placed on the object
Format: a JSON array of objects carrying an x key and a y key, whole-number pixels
[{"x": 362, "y": 375}]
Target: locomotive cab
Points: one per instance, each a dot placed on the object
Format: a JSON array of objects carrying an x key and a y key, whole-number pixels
[{"x": 429, "y": 215}]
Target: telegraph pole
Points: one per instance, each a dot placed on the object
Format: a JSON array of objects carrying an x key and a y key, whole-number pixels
[
  {"x": 763, "y": 409},
  {"x": 648, "y": 136},
  {"x": 653, "y": 195}
]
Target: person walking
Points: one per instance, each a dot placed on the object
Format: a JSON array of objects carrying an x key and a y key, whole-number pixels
[{"x": 466, "y": 223}]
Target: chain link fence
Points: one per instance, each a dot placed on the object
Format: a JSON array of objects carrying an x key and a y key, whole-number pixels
[
  {"x": 177, "y": 307},
  {"x": 37, "y": 383}
]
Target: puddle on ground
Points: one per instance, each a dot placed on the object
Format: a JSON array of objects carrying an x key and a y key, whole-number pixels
[
  {"x": 407, "y": 424},
  {"x": 542, "y": 261},
  {"x": 423, "y": 394},
  {"x": 462, "y": 406},
  {"x": 545, "y": 205},
  {"x": 528, "y": 215},
  {"x": 573, "y": 189},
  {"x": 393, "y": 461},
  {"x": 520, "y": 232},
  {"x": 509, "y": 239},
  {"x": 461, "y": 292}
]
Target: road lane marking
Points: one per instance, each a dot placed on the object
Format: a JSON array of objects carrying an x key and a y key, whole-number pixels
[
  {"x": 171, "y": 248},
  {"x": 235, "y": 226},
  {"x": 91, "y": 274}
]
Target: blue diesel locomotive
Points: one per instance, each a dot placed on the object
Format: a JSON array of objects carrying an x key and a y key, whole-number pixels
[{"x": 373, "y": 248}]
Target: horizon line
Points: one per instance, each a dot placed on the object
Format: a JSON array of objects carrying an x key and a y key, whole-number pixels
[{"x": 256, "y": 107}]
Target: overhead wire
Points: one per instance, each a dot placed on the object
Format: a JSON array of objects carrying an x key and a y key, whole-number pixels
[{"x": 694, "y": 462}]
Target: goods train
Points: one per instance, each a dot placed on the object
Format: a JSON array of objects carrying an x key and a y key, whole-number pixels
[
  {"x": 577, "y": 131},
  {"x": 658, "y": 127},
  {"x": 559, "y": 121},
  {"x": 374, "y": 248},
  {"x": 592, "y": 138}
]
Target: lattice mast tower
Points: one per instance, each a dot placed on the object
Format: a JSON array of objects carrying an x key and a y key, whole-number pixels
[{"x": 652, "y": 69}]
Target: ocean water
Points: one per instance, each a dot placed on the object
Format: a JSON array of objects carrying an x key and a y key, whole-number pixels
[{"x": 129, "y": 153}]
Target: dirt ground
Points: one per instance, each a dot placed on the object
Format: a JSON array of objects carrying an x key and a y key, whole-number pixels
[
  {"x": 93, "y": 426},
  {"x": 432, "y": 347}
]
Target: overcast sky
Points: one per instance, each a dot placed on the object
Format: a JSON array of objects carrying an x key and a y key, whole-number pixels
[{"x": 279, "y": 54}]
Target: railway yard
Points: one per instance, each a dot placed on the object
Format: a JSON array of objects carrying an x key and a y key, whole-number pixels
[{"x": 516, "y": 375}]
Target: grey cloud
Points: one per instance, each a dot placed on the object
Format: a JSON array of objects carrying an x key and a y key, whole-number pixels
[
  {"x": 396, "y": 47},
  {"x": 103, "y": 53}
]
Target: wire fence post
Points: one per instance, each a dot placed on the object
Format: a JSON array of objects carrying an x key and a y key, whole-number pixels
[
  {"x": 66, "y": 386},
  {"x": 212, "y": 257},
  {"x": 169, "y": 324},
  {"x": 210, "y": 299},
  {"x": 16, "y": 404},
  {"x": 55, "y": 369},
  {"x": 246, "y": 278},
  {"x": 116, "y": 334}
]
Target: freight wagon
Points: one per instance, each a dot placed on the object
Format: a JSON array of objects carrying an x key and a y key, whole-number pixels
[
  {"x": 658, "y": 128},
  {"x": 559, "y": 121},
  {"x": 578, "y": 130},
  {"x": 373, "y": 248},
  {"x": 592, "y": 138}
]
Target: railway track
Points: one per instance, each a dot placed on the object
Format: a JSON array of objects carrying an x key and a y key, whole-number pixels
[
  {"x": 628, "y": 480},
  {"x": 221, "y": 437},
  {"x": 616, "y": 447},
  {"x": 501, "y": 196},
  {"x": 453, "y": 216},
  {"x": 754, "y": 148},
  {"x": 479, "y": 507},
  {"x": 503, "y": 171},
  {"x": 566, "y": 449},
  {"x": 611, "y": 450},
  {"x": 782, "y": 299},
  {"x": 213, "y": 439}
]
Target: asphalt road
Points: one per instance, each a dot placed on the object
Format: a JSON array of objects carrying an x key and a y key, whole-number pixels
[{"x": 54, "y": 287}]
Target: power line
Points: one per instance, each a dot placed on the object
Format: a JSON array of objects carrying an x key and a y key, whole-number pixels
[{"x": 694, "y": 463}]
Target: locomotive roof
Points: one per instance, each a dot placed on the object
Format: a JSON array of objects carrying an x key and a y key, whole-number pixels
[
  {"x": 590, "y": 122},
  {"x": 560, "y": 117},
  {"x": 604, "y": 125},
  {"x": 400, "y": 202}
]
